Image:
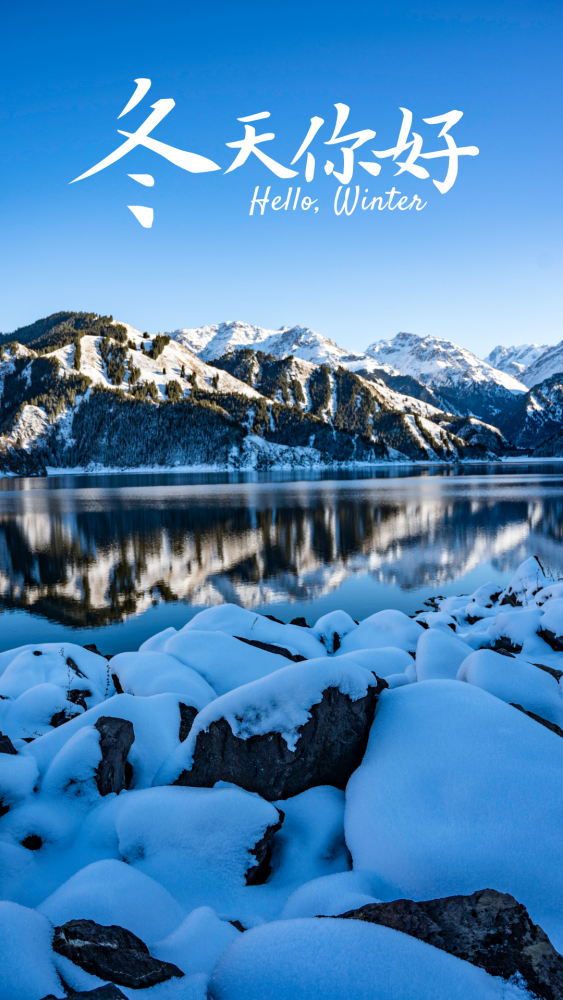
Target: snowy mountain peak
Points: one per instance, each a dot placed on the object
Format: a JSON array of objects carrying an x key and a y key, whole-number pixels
[
  {"x": 515, "y": 360},
  {"x": 439, "y": 362},
  {"x": 549, "y": 363},
  {"x": 211, "y": 342}
]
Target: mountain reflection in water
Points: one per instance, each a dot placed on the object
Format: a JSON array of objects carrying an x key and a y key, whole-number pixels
[{"x": 88, "y": 555}]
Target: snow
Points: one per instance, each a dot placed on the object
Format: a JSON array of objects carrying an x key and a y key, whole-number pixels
[
  {"x": 112, "y": 892},
  {"x": 549, "y": 363},
  {"x": 234, "y": 620},
  {"x": 385, "y": 661},
  {"x": 336, "y": 623},
  {"x": 332, "y": 959},
  {"x": 146, "y": 673},
  {"x": 223, "y": 661},
  {"x": 438, "y": 362},
  {"x": 330, "y": 895},
  {"x": 196, "y": 944},
  {"x": 515, "y": 682},
  {"x": 457, "y": 791},
  {"x": 439, "y": 655},
  {"x": 515, "y": 360},
  {"x": 471, "y": 799},
  {"x": 527, "y": 581},
  {"x": 213, "y": 341},
  {"x": 202, "y": 853},
  {"x": 27, "y": 969},
  {"x": 156, "y": 721},
  {"x": 384, "y": 628}
]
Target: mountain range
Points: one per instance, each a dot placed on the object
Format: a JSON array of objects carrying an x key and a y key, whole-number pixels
[{"x": 82, "y": 390}]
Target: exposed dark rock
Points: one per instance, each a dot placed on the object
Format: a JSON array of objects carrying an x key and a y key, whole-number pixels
[
  {"x": 506, "y": 644},
  {"x": 116, "y": 683},
  {"x": 238, "y": 925},
  {"x": 550, "y": 670},
  {"x": 555, "y": 641},
  {"x": 116, "y": 739},
  {"x": 512, "y": 600},
  {"x": 262, "y": 851},
  {"x": 74, "y": 666},
  {"x": 111, "y": 953},
  {"x": 270, "y": 648},
  {"x": 33, "y": 842},
  {"x": 544, "y": 722},
  {"x": 6, "y": 745},
  {"x": 187, "y": 716},
  {"x": 504, "y": 652},
  {"x": 59, "y": 718},
  {"x": 489, "y": 929},
  {"x": 335, "y": 642},
  {"x": 299, "y": 621},
  {"x": 3, "y": 809},
  {"x": 330, "y": 747},
  {"x": 37, "y": 652},
  {"x": 107, "y": 992},
  {"x": 94, "y": 649},
  {"x": 78, "y": 697},
  {"x": 272, "y": 619}
]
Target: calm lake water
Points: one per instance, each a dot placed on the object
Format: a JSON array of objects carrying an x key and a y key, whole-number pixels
[{"x": 112, "y": 559}]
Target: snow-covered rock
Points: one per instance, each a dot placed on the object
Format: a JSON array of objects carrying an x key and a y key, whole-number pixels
[
  {"x": 304, "y": 725},
  {"x": 309, "y": 959},
  {"x": 384, "y": 628},
  {"x": 528, "y": 580},
  {"x": 458, "y": 789}
]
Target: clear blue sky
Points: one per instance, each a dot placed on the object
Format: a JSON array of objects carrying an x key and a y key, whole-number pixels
[{"x": 480, "y": 265}]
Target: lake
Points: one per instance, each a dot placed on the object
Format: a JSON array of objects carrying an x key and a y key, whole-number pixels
[{"x": 112, "y": 559}]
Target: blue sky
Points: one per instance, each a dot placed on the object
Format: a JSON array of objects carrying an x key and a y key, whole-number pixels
[{"x": 480, "y": 264}]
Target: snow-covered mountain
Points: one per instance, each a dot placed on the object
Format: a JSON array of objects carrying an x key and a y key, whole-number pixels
[
  {"x": 458, "y": 376},
  {"x": 548, "y": 364},
  {"x": 515, "y": 360},
  {"x": 211, "y": 342}
]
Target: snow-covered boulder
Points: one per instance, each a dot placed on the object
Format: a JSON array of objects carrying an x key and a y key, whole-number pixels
[
  {"x": 214, "y": 842},
  {"x": 233, "y": 620},
  {"x": 330, "y": 895},
  {"x": 554, "y": 590},
  {"x": 458, "y": 790},
  {"x": 384, "y": 662},
  {"x": 486, "y": 596},
  {"x": 18, "y": 774},
  {"x": 112, "y": 892},
  {"x": 331, "y": 629},
  {"x": 489, "y": 929},
  {"x": 156, "y": 723},
  {"x": 516, "y": 631},
  {"x": 514, "y": 681},
  {"x": 146, "y": 673},
  {"x": 44, "y": 685},
  {"x": 308, "y": 959},
  {"x": 439, "y": 655},
  {"x": 551, "y": 624},
  {"x": 527, "y": 581},
  {"x": 384, "y": 628},
  {"x": 197, "y": 943},
  {"x": 304, "y": 725},
  {"x": 223, "y": 661}
]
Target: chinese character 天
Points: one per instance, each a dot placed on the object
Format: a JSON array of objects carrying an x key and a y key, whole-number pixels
[{"x": 406, "y": 154}]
